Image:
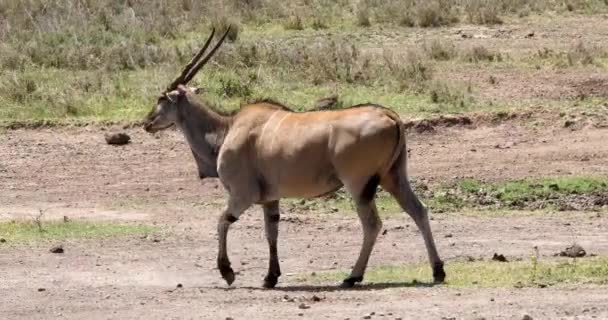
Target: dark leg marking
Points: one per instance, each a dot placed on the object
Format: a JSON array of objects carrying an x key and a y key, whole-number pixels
[
  {"x": 230, "y": 218},
  {"x": 274, "y": 218},
  {"x": 369, "y": 191}
]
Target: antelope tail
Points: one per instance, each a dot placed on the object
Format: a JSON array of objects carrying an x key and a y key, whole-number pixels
[{"x": 400, "y": 147}]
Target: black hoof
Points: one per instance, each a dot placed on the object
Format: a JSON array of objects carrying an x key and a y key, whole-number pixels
[
  {"x": 438, "y": 272},
  {"x": 227, "y": 274},
  {"x": 270, "y": 281},
  {"x": 350, "y": 282}
]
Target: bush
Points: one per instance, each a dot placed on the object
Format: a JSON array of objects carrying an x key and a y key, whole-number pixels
[
  {"x": 411, "y": 71},
  {"x": 363, "y": 19},
  {"x": 294, "y": 23},
  {"x": 435, "y": 13},
  {"x": 482, "y": 12},
  {"x": 438, "y": 50},
  {"x": 480, "y": 53}
]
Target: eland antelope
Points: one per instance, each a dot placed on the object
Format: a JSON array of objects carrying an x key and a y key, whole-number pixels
[{"x": 266, "y": 152}]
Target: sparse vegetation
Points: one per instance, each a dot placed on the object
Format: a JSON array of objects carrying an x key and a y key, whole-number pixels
[
  {"x": 107, "y": 60},
  {"x": 438, "y": 50},
  {"x": 486, "y": 274},
  {"x": 294, "y": 23},
  {"x": 480, "y": 53},
  {"x": 24, "y": 231},
  {"x": 561, "y": 193}
]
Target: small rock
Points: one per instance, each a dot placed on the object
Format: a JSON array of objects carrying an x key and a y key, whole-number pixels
[
  {"x": 179, "y": 285},
  {"x": 229, "y": 318},
  {"x": 119, "y": 138},
  {"x": 316, "y": 298},
  {"x": 499, "y": 258},
  {"x": 2, "y": 240},
  {"x": 449, "y": 235},
  {"x": 303, "y": 306},
  {"x": 569, "y": 123},
  {"x": 367, "y": 317},
  {"x": 526, "y": 317},
  {"x": 57, "y": 249},
  {"x": 573, "y": 251},
  {"x": 384, "y": 232},
  {"x": 300, "y": 314},
  {"x": 327, "y": 103},
  {"x": 530, "y": 34},
  {"x": 41, "y": 289}
]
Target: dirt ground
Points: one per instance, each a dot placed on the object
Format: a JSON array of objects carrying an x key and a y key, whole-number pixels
[{"x": 73, "y": 172}]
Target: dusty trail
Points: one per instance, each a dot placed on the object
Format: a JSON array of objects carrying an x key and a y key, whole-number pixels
[{"x": 71, "y": 171}]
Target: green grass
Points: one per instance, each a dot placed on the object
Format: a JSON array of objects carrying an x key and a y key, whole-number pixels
[
  {"x": 29, "y": 231},
  {"x": 468, "y": 193},
  {"x": 528, "y": 189},
  {"x": 486, "y": 274}
]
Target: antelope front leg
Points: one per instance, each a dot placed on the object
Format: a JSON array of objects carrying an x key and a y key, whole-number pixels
[
  {"x": 232, "y": 214},
  {"x": 271, "y": 221}
]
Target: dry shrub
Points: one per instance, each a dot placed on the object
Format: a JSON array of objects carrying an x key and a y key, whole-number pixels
[
  {"x": 438, "y": 50},
  {"x": 411, "y": 71},
  {"x": 294, "y": 23},
  {"x": 482, "y": 12},
  {"x": 581, "y": 54},
  {"x": 363, "y": 18},
  {"x": 480, "y": 53},
  {"x": 435, "y": 13}
]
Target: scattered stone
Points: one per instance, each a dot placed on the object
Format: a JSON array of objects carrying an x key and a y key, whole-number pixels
[
  {"x": 569, "y": 123},
  {"x": 527, "y": 317},
  {"x": 499, "y": 258},
  {"x": 300, "y": 314},
  {"x": 316, "y": 298},
  {"x": 384, "y": 232},
  {"x": 303, "y": 306},
  {"x": 2, "y": 240},
  {"x": 229, "y": 318},
  {"x": 119, "y": 138},
  {"x": 367, "y": 317},
  {"x": 530, "y": 34},
  {"x": 327, "y": 103},
  {"x": 179, "y": 285},
  {"x": 57, "y": 249},
  {"x": 449, "y": 235},
  {"x": 41, "y": 289},
  {"x": 573, "y": 251}
]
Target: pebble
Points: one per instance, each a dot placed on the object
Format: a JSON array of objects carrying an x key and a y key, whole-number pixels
[
  {"x": 303, "y": 306},
  {"x": 57, "y": 249}
]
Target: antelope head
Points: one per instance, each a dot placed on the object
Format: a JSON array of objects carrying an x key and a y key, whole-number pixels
[{"x": 165, "y": 113}]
